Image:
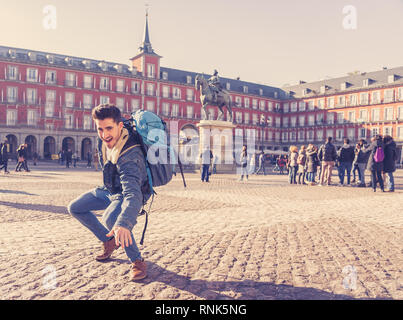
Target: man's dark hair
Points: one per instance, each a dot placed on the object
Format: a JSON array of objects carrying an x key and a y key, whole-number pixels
[
  {"x": 346, "y": 140},
  {"x": 104, "y": 111},
  {"x": 329, "y": 139}
]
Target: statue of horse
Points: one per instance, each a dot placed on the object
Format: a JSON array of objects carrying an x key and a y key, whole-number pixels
[{"x": 206, "y": 98}]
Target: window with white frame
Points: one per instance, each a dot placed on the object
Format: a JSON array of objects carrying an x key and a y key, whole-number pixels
[
  {"x": 247, "y": 118},
  {"x": 388, "y": 131},
  {"x": 321, "y": 103},
  {"x": 293, "y": 136},
  {"x": 70, "y": 79},
  {"x": 31, "y": 117},
  {"x": 301, "y": 135},
  {"x": 245, "y": 89},
  {"x": 285, "y": 136},
  {"x": 104, "y": 83},
  {"x": 341, "y": 101},
  {"x": 399, "y": 115},
  {"x": 164, "y": 75},
  {"x": 238, "y": 101},
  {"x": 269, "y": 121},
  {"x": 330, "y": 118},
  {"x": 150, "y": 89},
  {"x": 246, "y": 102},
  {"x": 278, "y": 122},
  {"x": 120, "y": 103},
  {"x": 189, "y": 94},
  {"x": 189, "y": 112},
  {"x": 351, "y": 116},
  {"x": 400, "y": 93},
  {"x": 135, "y": 87},
  {"x": 31, "y": 96},
  {"x": 364, "y": 98},
  {"x": 189, "y": 79},
  {"x": 50, "y": 103},
  {"x": 104, "y": 100},
  {"x": 254, "y": 103},
  {"x": 175, "y": 110},
  {"x": 165, "y": 109},
  {"x": 319, "y": 135},
  {"x": 135, "y": 104},
  {"x": 340, "y": 117},
  {"x": 165, "y": 91},
  {"x": 294, "y": 106},
  {"x": 11, "y": 117},
  {"x": 228, "y": 86},
  {"x": 353, "y": 100},
  {"x": 87, "y": 101},
  {"x": 301, "y": 120},
  {"x": 262, "y": 105},
  {"x": 176, "y": 93},
  {"x": 388, "y": 114},
  {"x": 339, "y": 134},
  {"x": 87, "y": 82},
  {"x": 363, "y": 115},
  {"x": 311, "y": 105},
  {"x": 238, "y": 117},
  {"x": 285, "y": 122},
  {"x": 120, "y": 85},
  {"x": 150, "y": 105},
  {"x": 319, "y": 118},
  {"x": 330, "y": 102},
  {"x": 87, "y": 122},
  {"x": 50, "y": 77},
  {"x": 330, "y": 133},
  {"x": 150, "y": 70},
  {"x": 32, "y": 75},
  {"x": 375, "y": 97},
  {"x": 255, "y": 118},
  {"x": 68, "y": 121},
  {"x": 362, "y": 133},
  {"x": 293, "y": 121},
  {"x": 12, "y": 72},
  {"x": 310, "y": 135},
  {"x": 351, "y": 133},
  {"x": 286, "y": 107},
  {"x": 12, "y": 94},
  {"x": 374, "y": 131},
  {"x": 302, "y": 106},
  {"x": 375, "y": 115},
  {"x": 69, "y": 99},
  {"x": 400, "y": 132},
  {"x": 389, "y": 96},
  {"x": 311, "y": 120},
  {"x": 270, "y": 106}
]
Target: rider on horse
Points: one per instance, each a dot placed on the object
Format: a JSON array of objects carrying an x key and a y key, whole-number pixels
[{"x": 215, "y": 85}]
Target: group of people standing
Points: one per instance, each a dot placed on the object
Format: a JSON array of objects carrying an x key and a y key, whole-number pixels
[{"x": 379, "y": 157}]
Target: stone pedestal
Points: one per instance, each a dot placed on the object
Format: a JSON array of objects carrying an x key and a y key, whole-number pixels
[{"x": 218, "y": 136}]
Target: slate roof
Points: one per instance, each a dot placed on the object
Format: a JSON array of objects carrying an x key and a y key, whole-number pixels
[{"x": 377, "y": 79}]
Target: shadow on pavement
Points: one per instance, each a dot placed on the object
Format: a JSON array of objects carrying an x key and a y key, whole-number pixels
[
  {"x": 35, "y": 207},
  {"x": 18, "y": 192}
]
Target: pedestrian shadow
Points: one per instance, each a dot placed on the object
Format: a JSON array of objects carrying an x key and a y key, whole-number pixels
[
  {"x": 35, "y": 207},
  {"x": 246, "y": 289},
  {"x": 18, "y": 192}
]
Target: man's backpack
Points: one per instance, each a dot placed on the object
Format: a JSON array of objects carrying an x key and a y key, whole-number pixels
[
  {"x": 379, "y": 155},
  {"x": 150, "y": 130}
]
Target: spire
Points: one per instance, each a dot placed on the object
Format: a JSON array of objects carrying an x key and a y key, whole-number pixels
[{"x": 146, "y": 45}]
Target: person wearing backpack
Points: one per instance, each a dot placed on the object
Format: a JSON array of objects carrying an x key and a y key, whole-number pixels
[
  {"x": 346, "y": 157},
  {"x": 327, "y": 155},
  {"x": 126, "y": 189},
  {"x": 375, "y": 161},
  {"x": 389, "y": 162}
]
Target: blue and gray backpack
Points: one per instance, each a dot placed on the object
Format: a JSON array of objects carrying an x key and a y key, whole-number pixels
[{"x": 151, "y": 132}]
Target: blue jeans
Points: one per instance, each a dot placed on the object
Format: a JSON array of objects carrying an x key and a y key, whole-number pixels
[
  {"x": 345, "y": 166},
  {"x": 101, "y": 199},
  {"x": 292, "y": 177},
  {"x": 205, "y": 175},
  {"x": 310, "y": 176},
  {"x": 391, "y": 182}
]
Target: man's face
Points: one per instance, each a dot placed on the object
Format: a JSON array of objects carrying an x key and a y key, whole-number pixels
[{"x": 109, "y": 131}]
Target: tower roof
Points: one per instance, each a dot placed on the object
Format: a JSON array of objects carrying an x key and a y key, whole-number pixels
[{"x": 146, "y": 45}]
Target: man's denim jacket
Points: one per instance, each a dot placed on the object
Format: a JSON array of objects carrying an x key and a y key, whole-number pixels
[{"x": 133, "y": 182}]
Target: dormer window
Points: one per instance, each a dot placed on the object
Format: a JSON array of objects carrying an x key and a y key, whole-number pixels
[
  {"x": 261, "y": 92},
  {"x": 87, "y": 64},
  {"x": 245, "y": 89},
  {"x": 32, "y": 56},
  {"x": 103, "y": 66},
  {"x": 391, "y": 78},
  {"x": 323, "y": 89},
  {"x": 165, "y": 75},
  {"x": 118, "y": 68},
  {"x": 305, "y": 92},
  {"x": 12, "y": 53},
  {"x": 228, "y": 86},
  {"x": 51, "y": 58},
  {"x": 189, "y": 79},
  {"x": 366, "y": 82},
  {"x": 343, "y": 86},
  {"x": 69, "y": 61},
  {"x": 133, "y": 70}
]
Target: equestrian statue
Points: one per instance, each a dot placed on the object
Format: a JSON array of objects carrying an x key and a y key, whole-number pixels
[{"x": 212, "y": 93}]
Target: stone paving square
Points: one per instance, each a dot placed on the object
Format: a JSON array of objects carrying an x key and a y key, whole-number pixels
[{"x": 260, "y": 239}]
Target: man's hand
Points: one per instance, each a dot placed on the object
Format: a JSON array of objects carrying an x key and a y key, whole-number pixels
[{"x": 122, "y": 236}]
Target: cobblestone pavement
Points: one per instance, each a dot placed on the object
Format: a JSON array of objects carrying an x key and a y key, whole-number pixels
[{"x": 260, "y": 239}]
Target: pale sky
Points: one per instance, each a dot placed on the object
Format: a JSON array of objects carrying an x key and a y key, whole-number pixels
[{"x": 263, "y": 41}]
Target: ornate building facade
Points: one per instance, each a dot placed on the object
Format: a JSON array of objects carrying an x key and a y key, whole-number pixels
[{"x": 46, "y": 101}]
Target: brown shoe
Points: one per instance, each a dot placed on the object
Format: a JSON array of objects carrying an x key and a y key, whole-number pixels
[
  {"x": 139, "y": 269},
  {"x": 109, "y": 247}
]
